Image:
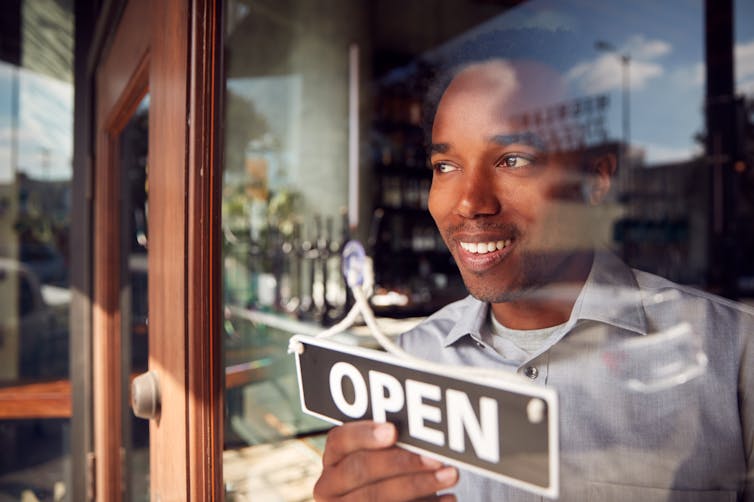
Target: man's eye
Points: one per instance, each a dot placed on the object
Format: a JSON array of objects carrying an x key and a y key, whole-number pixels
[
  {"x": 443, "y": 167},
  {"x": 515, "y": 160}
]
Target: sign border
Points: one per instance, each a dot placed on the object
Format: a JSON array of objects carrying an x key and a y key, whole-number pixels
[{"x": 508, "y": 382}]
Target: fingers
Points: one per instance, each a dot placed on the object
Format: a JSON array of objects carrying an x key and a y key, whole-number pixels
[
  {"x": 366, "y": 467},
  {"x": 406, "y": 487},
  {"x": 403, "y": 487},
  {"x": 356, "y": 436},
  {"x": 362, "y": 463}
]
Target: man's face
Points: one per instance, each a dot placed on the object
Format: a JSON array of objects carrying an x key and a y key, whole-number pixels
[{"x": 510, "y": 214}]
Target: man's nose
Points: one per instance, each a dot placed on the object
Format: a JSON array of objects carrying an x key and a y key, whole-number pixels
[{"x": 478, "y": 196}]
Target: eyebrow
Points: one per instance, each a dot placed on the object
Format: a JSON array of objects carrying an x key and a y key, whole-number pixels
[
  {"x": 528, "y": 138},
  {"x": 438, "y": 148}
]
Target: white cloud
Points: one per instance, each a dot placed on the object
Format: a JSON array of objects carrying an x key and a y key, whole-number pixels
[
  {"x": 605, "y": 71},
  {"x": 744, "y": 58},
  {"x": 660, "y": 153},
  {"x": 640, "y": 48}
]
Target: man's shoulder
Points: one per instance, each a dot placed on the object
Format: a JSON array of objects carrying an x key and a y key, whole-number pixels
[
  {"x": 661, "y": 297},
  {"x": 659, "y": 290}
]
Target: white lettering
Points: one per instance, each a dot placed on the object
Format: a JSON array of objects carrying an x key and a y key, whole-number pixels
[
  {"x": 358, "y": 408},
  {"x": 482, "y": 433},
  {"x": 418, "y": 412},
  {"x": 382, "y": 402}
]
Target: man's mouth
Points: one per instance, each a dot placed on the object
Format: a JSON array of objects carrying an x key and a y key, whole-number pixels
[
  {"x": 481, "y": 255},
  {"x": 485, "y": 247}
]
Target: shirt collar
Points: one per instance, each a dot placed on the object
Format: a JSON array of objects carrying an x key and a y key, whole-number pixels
[
  {"x": 610, "y": 295},
  {"x": 470, "y": 322}
]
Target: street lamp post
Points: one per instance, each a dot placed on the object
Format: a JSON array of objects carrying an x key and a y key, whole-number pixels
[
  {"x": 624, "y": 152},
  {"x": 625, "y": 59}
]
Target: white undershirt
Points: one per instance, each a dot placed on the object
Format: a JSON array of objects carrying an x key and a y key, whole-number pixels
[{"x": 527, "y": 341}]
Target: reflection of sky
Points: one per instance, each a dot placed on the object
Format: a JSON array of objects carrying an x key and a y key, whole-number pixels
[
  {"x": 744, "y": 36},
  {"x": 45, "y": 124},
  {"x": 665, "y": 41}
]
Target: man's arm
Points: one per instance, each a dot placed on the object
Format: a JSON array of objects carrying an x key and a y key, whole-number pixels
[{"x": 361, "y": 462}]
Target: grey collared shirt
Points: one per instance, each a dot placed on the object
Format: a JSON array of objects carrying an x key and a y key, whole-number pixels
[{"x": 655, "y": 384}]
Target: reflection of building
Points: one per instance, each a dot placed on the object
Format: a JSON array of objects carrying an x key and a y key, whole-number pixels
[
  {"x": 743, "y": 173},
  {"x": 664, "y": 220}
]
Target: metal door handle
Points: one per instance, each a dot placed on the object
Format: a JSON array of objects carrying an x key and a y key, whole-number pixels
[{"x": 145, "y": 396}]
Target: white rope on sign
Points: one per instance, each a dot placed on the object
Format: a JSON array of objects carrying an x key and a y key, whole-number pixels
[{"x": 360, "y": 279}]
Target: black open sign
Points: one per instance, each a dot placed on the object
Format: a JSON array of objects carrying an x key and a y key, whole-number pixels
[{"x": 504, "y": 428}]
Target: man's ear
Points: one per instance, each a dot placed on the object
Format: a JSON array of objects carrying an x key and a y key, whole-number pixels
[{"x": 600, "y": 175}]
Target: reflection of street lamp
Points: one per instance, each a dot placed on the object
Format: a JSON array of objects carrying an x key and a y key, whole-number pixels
[{"x": 625, "y": 60}]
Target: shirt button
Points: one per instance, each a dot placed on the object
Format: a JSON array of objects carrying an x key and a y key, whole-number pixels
[
  {"x": 531, "y": 372},
  {"x": 480, "y": 345}
]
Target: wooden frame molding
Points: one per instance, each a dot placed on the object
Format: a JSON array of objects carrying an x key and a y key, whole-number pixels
[
  {"x": 167, "y": 257},
  {"x": 122, "y": 79},
  {"x": 205, "y": 371}
]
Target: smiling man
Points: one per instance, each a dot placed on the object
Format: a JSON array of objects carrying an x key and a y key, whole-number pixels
[
  {"x": 500, "y": 197},
  {"x": 654, "y": 379}
]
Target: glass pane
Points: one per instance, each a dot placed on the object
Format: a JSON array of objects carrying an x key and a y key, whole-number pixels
[
  {"x": 577, "y": 174},
  {"x": 35, "y": 463},
  {"x": 36, "y": 140},
  {"x": 134, "y": 148}
]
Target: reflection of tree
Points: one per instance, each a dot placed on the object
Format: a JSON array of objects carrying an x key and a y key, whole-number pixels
[{"x": 242, "y": 124}]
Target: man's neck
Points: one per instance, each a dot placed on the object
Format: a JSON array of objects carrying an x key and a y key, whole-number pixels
[{"x": 548, "y": 305}]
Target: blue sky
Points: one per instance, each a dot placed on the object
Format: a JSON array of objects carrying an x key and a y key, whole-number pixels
[{"x": 665, "y": 42}]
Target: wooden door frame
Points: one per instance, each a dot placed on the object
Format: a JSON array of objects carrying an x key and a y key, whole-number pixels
[
  {"x": 170, "y": 48},
  {"x": 121, "y": 81}
]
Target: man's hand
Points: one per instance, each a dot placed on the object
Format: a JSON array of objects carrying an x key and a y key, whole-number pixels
[{"x": 362, "y": 463}]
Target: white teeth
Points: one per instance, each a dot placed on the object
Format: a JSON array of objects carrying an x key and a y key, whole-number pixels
[{"x": 485, "y": 247}]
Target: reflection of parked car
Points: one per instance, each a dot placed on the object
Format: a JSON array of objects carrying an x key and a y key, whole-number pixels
[{"x": 34, "y": 338}]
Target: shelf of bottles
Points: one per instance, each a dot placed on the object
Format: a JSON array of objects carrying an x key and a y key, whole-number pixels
[
  {"x": 294, "y": 269},
  {"x": 412, "y": 264}
]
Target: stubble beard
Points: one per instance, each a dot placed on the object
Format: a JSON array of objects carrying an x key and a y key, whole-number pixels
[{"x": 534, "y": 274}]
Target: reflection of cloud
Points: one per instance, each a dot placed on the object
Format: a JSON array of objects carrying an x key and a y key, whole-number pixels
[
  {"x": 660, "y": 153},
  {"x": 605, "y": 72},
  {"x": 641, "y": 48},
  {"x": 744, "y": 61},
  {"x": 689, "y": 76}
]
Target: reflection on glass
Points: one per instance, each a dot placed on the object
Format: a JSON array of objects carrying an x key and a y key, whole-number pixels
[
  {"x": 631, "y": 82},
  {"x": 284, "y": 222},
  {"x": 134, "y": 148},
  {"x": 36, "y": 114}
]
